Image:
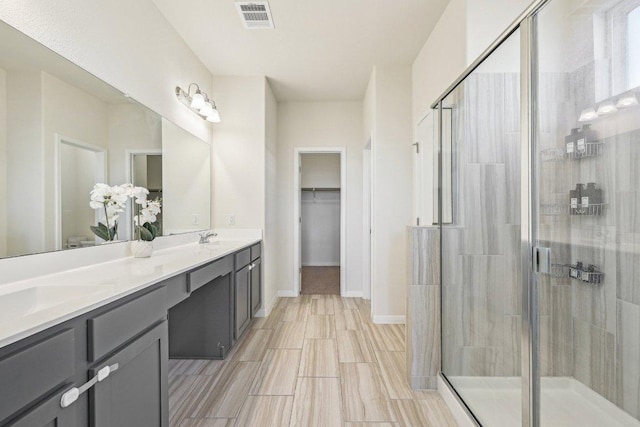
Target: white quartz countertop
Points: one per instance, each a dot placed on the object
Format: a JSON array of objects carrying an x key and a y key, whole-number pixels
[{"x": 33, "y": 305}]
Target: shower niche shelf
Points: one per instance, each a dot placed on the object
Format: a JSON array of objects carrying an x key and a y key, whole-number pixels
[
  {"x": 593, "y": 209},
  {"x": 590, "y": 149}
]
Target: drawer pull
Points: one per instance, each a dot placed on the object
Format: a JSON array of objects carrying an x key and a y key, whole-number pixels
[{"x": 72, "y": 394}]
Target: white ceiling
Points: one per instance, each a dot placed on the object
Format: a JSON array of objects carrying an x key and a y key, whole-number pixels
[{"x": 319, "y": 50}]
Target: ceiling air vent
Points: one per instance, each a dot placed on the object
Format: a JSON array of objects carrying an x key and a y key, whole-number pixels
[{"x": 255, "y": 15}]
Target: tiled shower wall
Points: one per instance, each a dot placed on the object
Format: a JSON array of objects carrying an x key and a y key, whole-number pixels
[
  {"x": 589, "y": 332},
  {"x": 481, "y": 255},
  {"x": 602, "y": 321}
]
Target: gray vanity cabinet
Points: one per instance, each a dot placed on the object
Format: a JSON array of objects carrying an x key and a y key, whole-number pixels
[
  {"x": 242, "y": 300},
  {"x": 49, "y": 414},
  {"x": 134, "y": 395},
  {"x": 248, "y": 286},
  {"x": 256, "y": 286},
  {"x": 201, "y": 326},
  {"x": 33, "y": 371}
]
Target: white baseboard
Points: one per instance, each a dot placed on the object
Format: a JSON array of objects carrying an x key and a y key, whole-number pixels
[
  {"x": 322, "y": 264},
  {"x": 389, "y": 320},
  {"x": 353, "y": 294},
  {"x": 286, "y": 294},
  {"x": 459, "y": 414}
]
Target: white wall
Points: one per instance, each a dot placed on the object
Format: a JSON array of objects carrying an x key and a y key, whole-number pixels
[
  {"x": 25, "y": 219},
  {"x": 442, "y": 58},
  {"x": 389, "y": 110},
  {"x": 320, "y": 124},
  {"x": 320, "y": 170},
  {"x": 486, "y": 20},
  {"x": 3, "y": 162},
  {"x": 239, "y": 152},
  {"x": 127, "y": 44},
  {"x": 271, "y": 240}
]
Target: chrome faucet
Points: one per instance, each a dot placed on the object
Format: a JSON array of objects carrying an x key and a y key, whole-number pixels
[{"x": 205, "y": 236}]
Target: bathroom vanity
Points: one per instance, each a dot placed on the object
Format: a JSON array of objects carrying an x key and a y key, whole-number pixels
[{"x": 100, "y": 359}]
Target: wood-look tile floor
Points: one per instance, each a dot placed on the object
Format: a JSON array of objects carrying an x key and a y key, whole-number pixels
[{"x": 317, "y": 360}]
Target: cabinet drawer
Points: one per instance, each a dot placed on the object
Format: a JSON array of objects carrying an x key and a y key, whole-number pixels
[
  {"x": 256, "y": 251},
  {"x": 49, "y": 413},
  {"x": 28, "y": 374},
  {"x": 118, "y": 325},
  {"x": 177, "y": 289},
  {"x": 243, "y": 258},
  {"x": 204, "y": 275}
]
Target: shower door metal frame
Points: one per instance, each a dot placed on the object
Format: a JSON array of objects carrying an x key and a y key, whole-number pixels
[
  {"x": 526, "y": 23},
  {"x": 528, "y": 228}
]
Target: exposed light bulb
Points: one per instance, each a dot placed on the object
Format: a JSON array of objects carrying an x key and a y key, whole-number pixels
[
  {"x": 197, "y": 102},
  {"x": 588, "y": 114},
  {"x": 628, "y": 100},
  {"x": 606, "y": 107},
  {"x": 206, "y": 110},
  {"x": 214, "y": 117}
]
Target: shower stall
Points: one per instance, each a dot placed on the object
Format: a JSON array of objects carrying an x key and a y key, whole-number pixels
[{"x": 539, "y": 196}]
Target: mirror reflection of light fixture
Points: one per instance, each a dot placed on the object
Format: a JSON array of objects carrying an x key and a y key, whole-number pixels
[
  {"x": 588, "y": 114},
  {"x": 628, "y": 100},
  {"x": 606, "y": 107},
  {"x": 199, "y": 103}
]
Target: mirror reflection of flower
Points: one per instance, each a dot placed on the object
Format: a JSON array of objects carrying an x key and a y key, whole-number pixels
[
  {"x": 113, "y": 200},
  {"x": 147, "y": 211}
]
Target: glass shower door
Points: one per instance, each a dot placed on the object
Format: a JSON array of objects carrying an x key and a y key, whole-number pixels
[
  {"x": 480, "y": 238},
  {"x": 587, "y": 143}
]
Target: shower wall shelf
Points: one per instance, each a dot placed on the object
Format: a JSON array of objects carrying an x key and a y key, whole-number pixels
[
  {"x": 590, "y": 209},
  {"x": 593, "y": 277},
  {"x": 562, "y": 271},
  {"x": 591, "y": 149},
  {"x": 557, "y": 209}
]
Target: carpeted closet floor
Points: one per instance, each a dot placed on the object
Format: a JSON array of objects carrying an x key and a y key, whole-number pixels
[{"x": 320, "y": 281}]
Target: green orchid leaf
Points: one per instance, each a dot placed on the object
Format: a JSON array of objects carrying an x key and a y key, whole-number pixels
[
  {"x": 153, "y": 228},
  {"x": 145, "y": 234},
  {"x": 101, "y": 230}
]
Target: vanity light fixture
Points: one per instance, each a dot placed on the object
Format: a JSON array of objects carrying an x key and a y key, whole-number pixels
[
  {"x": 588, "y": 114},
  {"x": 627, "y": 100},
  {"x": 199, "y": 103},
  {"x": 606, "y": 107}
]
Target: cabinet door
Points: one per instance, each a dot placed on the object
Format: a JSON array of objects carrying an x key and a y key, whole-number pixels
[
  {"x": 256, "y": 286},
  {"x": 136, "y": 394},
  {"x": 242, "y": 296},
  {"x": 49, "y": 414}
]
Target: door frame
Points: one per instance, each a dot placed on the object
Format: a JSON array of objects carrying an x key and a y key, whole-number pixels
[
  {"x": 297, "y": 212},
  {"x": 101, "y": 176}
]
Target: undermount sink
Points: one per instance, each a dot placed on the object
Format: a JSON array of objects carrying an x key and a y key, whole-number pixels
[
  {"x": 221, "y": 244},
  {"x": 32, "y": 300}
]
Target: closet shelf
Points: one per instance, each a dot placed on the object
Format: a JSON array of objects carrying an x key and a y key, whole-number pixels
[{"x": 314, "y": 189}]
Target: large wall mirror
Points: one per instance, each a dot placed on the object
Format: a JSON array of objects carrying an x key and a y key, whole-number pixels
[{"x": 62, "y": 130}]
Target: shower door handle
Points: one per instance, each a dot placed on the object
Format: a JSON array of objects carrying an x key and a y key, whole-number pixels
[{"x": 541, "y": 259}]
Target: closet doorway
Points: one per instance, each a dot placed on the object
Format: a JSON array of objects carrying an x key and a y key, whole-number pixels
[{"x": 320, "y": 213}]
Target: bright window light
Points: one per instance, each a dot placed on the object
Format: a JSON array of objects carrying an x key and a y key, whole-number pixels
[{"x": 633, "y": 48}]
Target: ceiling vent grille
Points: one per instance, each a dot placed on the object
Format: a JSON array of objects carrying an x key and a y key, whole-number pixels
[{"x": 255, "y": 15}]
